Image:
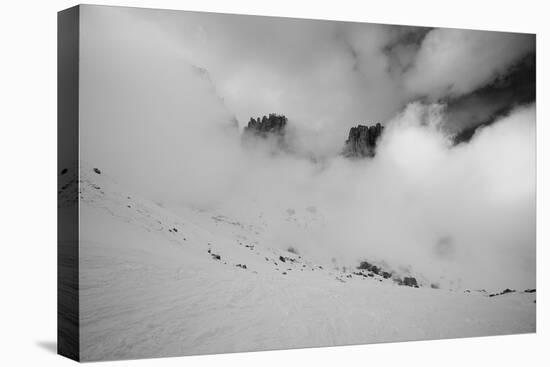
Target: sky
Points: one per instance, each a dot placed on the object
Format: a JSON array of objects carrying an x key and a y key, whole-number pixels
[{"x": 451, "y": 191}]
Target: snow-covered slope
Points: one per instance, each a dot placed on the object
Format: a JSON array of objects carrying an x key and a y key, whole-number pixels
[{"x": 157, "y": 283}]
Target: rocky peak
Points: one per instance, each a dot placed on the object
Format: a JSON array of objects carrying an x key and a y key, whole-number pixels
[
  {"x": 269, "y": 125},
  {"x": 362, "y": 141}
]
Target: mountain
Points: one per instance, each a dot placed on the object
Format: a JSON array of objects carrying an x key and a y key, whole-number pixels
[
  {"x": 167, "y": 281},
  {"x": 269, "y": 125},
  {"x": 362, "y": 141}
]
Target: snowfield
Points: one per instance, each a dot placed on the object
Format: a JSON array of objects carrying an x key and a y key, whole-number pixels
[{"x": 153, "y": 282}]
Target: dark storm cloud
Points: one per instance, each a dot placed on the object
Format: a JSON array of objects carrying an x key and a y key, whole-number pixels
[
  {"x": 485, "y": 105},
  {"x": 453, "y": 62}
]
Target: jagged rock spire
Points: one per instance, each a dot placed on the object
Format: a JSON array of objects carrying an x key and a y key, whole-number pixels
[
  {"x": 362, "y": 141},
  {"x": 274, "y": 124}
]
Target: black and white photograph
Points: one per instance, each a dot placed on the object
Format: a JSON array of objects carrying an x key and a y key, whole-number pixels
[
  {"x": 274, "y": 183},
  {"x": 249, "y": 183}
]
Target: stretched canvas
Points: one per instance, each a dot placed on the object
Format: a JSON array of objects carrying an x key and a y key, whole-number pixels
[{"x": 233, "y": 183}]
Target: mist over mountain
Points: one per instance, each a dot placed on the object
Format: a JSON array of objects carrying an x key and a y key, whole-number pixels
[
  {"x": 159, "y": 114},
  {"x": 248, "y": 183}
]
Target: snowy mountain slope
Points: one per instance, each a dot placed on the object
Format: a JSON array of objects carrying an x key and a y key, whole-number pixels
[{"x": 153, "y": 282}]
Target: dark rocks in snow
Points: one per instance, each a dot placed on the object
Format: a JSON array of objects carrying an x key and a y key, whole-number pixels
[
  {"x": 63, "y": 171},
  {"x": 387, "y": 274},
  {"x": 362, "y": 141},
  {"x": 269, "y": 125},
  {"x": 364, "y": 265},
  {"x": 407, "y": 281},
  {"x": 243, "y": 266},
  {"x": 216, "y": 256},
  {"x": 410, "y": 282},
  {"x": 96, "y": 170},
  {"x": 506, "y": 291},
  {"x": 286, "y": 258},
  {"x": 175, "y": 229},
  {"x": 530, "y": 291}
]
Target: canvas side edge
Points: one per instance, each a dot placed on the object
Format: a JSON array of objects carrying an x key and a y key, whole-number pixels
[{"x": 68, "y": 325}]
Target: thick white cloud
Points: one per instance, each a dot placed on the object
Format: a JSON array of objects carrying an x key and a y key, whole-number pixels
[
  {"x": 325, "y": 76},
  {"x": 151, "y": 119},
  {"x": 452, "y": 62}
]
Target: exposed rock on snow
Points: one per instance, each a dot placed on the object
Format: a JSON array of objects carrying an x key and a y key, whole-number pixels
[
  {"x": 145, "y": 291},
  {"x": 410, "y": 282},
  {"x": 506, "y": 291}
]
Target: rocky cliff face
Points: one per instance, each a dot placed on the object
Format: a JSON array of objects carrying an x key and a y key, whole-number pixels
[
  {"x": 269, "y": 125},
  {"x": 362, "y": 141}
]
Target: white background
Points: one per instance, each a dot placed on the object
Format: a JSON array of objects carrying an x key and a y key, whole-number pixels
[{"x": 28, "y": 174}]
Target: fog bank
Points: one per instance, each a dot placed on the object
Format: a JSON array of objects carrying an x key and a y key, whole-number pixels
[{"x": 165, "y": 124}]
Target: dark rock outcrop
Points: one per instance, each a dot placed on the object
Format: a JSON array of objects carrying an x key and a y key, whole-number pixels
[
  {"x": 365, "y": 265},
  {"x": 407, "y": 281},
  {"x": 269, "y": 125},
  {"x": 382, "y": 272},
  {"x": 410, "y": 282},
  {"x": 506, "y": 291},
  {"x": 362, "y": 141}
]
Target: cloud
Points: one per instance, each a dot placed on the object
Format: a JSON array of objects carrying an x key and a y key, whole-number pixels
[
  {"x": 329, "y": 76},
  {"x": 461, "y": 216},
  {"x": 151, "y": 119},
  {"x": 453, "y": 62}
]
